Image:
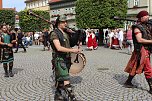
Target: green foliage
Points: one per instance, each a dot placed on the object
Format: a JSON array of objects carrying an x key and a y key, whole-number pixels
[
  {"x": 30, "y": 23},
  {"x": 99, "y": 13},
  {"x": 8, "y": 17}
]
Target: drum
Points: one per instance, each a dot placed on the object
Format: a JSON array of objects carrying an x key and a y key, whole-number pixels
[{"x": 78, "y": 63}]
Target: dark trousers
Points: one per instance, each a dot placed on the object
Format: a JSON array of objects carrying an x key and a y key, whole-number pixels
[{"x": 20, "y": 43}]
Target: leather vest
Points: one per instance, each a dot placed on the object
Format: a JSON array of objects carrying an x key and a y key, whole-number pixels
[
  {"x": 146, "y": 30},
  {"x": 64, "y": 41}
]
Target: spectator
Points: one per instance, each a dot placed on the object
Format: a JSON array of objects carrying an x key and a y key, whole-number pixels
[
  {"x": 36, "y": 37},
  {"x": 28, "y": 40},
  {"x": 19, "y": 41},
  {"x": 120, "y": 38},
  {"x": 130, "y": 41}
]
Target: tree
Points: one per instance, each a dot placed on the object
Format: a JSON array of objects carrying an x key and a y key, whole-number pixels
[
  {"x": 30, "y": 23},
  {"x": 8, "y": 17},
  {"x": 99, "y": 13}
]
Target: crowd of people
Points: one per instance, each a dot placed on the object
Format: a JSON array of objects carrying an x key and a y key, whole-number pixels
[{"x": 119, "y": 39}]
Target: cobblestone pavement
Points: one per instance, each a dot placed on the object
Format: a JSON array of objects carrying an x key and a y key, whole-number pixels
[{"x": 101, "y": 80}]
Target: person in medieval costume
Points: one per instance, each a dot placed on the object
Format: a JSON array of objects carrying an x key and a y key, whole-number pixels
[
  {"x": 89, "y": 39},
  {"x": 115, "y": 41},
  {"x": 6, "y": 44},
  {"x": 140, "y": 59},
  {"x": 94, "y": 40},
  {"x": 61, "y": 59}
]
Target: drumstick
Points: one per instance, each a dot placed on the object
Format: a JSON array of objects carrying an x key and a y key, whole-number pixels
[{"x": 76, "y": 59}]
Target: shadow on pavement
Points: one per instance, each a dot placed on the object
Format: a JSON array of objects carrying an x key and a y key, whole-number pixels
[
  {"x": 121, "y": 78},
  {"x": 16, "y": 70},
  {"x": 123, "y": 53},
  {"x": 76, "y": 79}
]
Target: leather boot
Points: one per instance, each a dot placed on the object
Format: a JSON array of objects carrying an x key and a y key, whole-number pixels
[
  {"x": 58, "y": 95},
  {"x": 128, "y": 83},
  {"x": 70, "y": 90},
  {"x": 11, "y": 74},
  {"x": 6, "y": 74},
  {"x": 6, "y": 71},
  {"x": 150, "y": 84}
]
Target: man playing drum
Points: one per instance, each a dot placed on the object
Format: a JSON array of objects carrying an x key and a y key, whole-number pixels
[{"x": 61, "y": 59}]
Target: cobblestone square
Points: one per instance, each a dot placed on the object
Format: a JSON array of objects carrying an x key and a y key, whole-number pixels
[{"x": 101, "y": 80}]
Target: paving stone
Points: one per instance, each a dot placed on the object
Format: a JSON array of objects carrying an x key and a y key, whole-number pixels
[{"x": 102, "y": 78}]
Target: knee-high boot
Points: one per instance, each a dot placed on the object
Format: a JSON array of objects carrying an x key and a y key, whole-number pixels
[
  {"x": 149, "y": 80},
  {"x": 10, "y": 69},
  {"x": 5, "y": 69},
  {"x": 70, "y": 90},
  {"x": 59, "y": 87},
  {"x": 128, "y": 83}
]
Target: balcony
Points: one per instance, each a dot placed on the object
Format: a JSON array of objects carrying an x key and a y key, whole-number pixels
[{"x": 27, "y": 1}]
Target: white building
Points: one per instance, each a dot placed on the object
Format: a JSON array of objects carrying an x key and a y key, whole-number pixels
[
  {"x": 63, "y": 7},
  {"x": 37, "y": 4}
]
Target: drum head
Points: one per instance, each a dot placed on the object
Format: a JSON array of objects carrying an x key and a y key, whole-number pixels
[{"x": 76, "y": 67}]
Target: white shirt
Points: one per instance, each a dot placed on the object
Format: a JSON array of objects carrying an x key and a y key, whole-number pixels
[
  {"x": 111, "y": 34},
  {"x": 28, "y": 38},
  {"x": 120, "y": 35},
  {"x": 36, "y": 35}
]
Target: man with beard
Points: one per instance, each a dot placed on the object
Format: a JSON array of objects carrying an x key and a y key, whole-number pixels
[
  {"x": 61, "y": 59},
  {"x": 140, "y": 59}
]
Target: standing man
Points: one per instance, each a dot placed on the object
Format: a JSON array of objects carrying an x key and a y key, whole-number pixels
[
  {"x": 120, "y": 38},
  {"x": 61, "y": 58},
  {"x": 140, "y": 59},
  {"x": 6, "y": 44},
  {"x": 19, "y": 41},
  {"x": 46, "y": 39}
]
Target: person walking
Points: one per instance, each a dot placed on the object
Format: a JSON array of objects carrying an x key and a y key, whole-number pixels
[
  {"x": 19, "y": 41},
  {"x": 46, "y": 39},
  {"x": 6, "y": 55},
  {"x": 61, "y": 59},
  {"x": 129, "y": 40},
  {"x": 140, "y": 59}
]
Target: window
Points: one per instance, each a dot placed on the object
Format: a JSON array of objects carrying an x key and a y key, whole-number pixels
[
  {"x": 37, "y": 3},
  {"x": 136, "y": 2},
  {"x": 73, "y": 10},
  {"x": 33, "y": 4},
  {"x": 44, "y": 3},
  {"x": 54, "y": 12},
  {"x": 40, "y": 3},
  {"x": 66, "y": 11},
  {"x": 58, "y": 11},
  {"x": 27, "y": 6}
]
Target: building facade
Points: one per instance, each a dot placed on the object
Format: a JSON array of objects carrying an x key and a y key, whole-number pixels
[
  {"x": 135, "y": 6},
  {"x": 1, "y": 4},
  {"x": 37, "y": 4},
  {"x": 67, "y": 7},
  {"x": 63, "y": 7}
]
